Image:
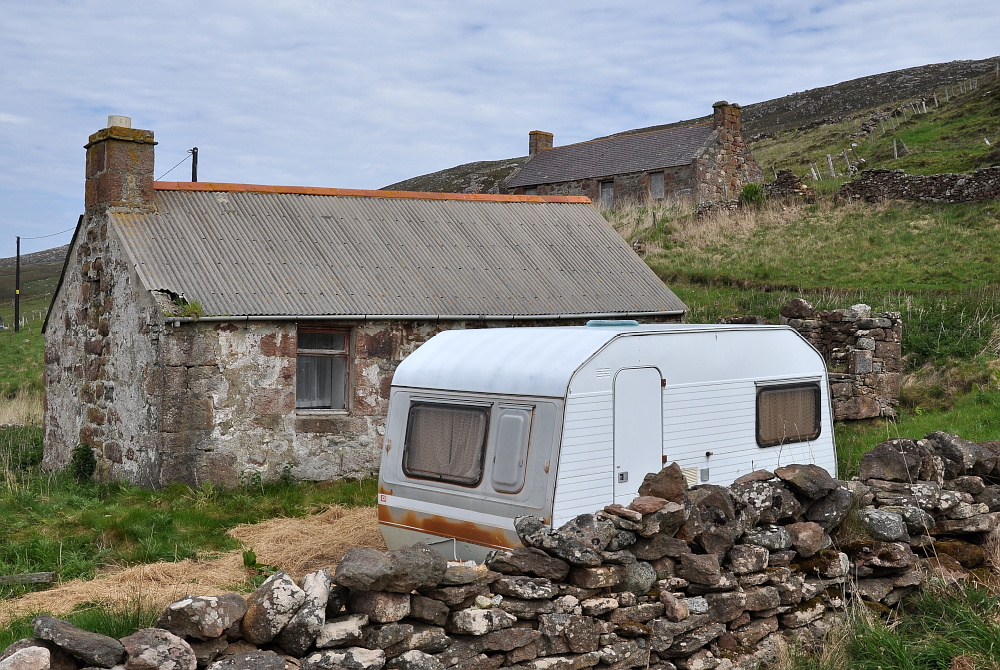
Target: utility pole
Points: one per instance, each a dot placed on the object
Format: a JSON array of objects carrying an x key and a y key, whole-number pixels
[
  {"x": 194, "y": 163},
  {"x": 17, "y": 287}
]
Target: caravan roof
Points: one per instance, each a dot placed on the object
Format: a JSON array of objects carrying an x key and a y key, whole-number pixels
[{"x": 521, "y": 361}]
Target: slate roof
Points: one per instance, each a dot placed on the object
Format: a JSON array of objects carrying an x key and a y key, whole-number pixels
[
  {"x": 609, "y": 156},
  {"x": 287, "y": 251}
]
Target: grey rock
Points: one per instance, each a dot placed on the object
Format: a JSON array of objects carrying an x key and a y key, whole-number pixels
[
  {"x": 208, "y": 650},
  {"x": 399, "y": 571},
  {"x": 415, "y": 660},
  {"x": 479, "y": 621},
  {"x": 351, "y": 658},
  {"x": 659, "y": 545},
  {"x": 972, "y": 458},
  {"x": 336, "y": 601},
  {"x": 59, "y": 659},
  {"x": 674, "y": 609},
  {"x": 387, "y": 635},
  {"x": 637, "y": 577},
  {"x": 883, "y": 526},
  {"x": 526, "y": 588},
  {"x": 712, "y": 522},
  {"x": 665, "y": 520},
  {"x": 301, "y": 631},
  {"x": 768, "y": 501},
  {"x": 832, "y": 508},
  {"x": 527, "y": 609},
  {"x": 91, "y": 648},
  {"x": 528, "y": 561},
  {"x": 380, "y": 606},
  {"x": 466, "y": 572},
  {"x": 810, "y": 480},
  {"x": 595, "y": 607},
  {"x": 898, "y": 460},
  {"x": 428, "y": 610},
  {"x": 807, "y": 537},
  {"x": 918, "y": 522},
  {"x": 642, "y": 613},
  {"x": 771, "y": 537},
  {"x": 700, "y": 568},
  {"x": 798, "y": 308},
  {"x": 250, "y": 660},
  {"x": 203, "y": 617},
  {"x": 568, "y": 633},
  {"x": 746, "y": 558},
  {"x": 723, "y": 607},
  {"x": 669, "y": 484},
  {"x": 27, "y": 658},
  {"x": 509, "y": 639},
  {"x": 271, "y": 607},
  {"x": 581, "y": 540},
  {"x": 157, "y": 649},
  {"x": 342, "y": 631}
]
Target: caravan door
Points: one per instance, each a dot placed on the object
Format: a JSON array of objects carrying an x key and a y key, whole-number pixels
[{"x": 638, "y": 429}]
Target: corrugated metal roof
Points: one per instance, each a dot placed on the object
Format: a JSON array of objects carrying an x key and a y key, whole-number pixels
[
  {"x": 614, "y": 155},
  {"x": 243, "y": 252}
]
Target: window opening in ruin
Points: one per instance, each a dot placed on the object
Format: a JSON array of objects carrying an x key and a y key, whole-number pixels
[
  {"x": 607, "y": 194},
  {"x": 788, "y": 413},
  {"x": 321, "y": 369},
  {"x": 656, "y": 185},
  {"x": 511, "y": 453},
  {"x": 446, "y": 442},
  {"x": 531, "y": 191}
]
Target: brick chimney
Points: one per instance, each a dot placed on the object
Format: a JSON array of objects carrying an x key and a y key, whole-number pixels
[
  {"x": 539, "y": 141},
  {"x": 726, "y": 116},
  {"x": 119, "y": 167}
]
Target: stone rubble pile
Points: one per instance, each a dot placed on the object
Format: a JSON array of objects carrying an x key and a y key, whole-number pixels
[{"x": 689, "y": 578}]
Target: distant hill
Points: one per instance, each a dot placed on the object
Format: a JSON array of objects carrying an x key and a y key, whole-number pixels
[{"x": 829, "y": 103}]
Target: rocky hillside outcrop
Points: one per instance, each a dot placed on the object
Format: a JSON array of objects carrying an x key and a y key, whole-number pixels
[{"x": 690, "y": 578}]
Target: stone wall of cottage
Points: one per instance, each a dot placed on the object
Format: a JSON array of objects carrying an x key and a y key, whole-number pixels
[
  {"x": 700, "y": 578},
  {"x": 101, "y": 356},
  {"x": 630, "y": 188},
  {"x": 875, "y": 185},
  {"x": 726, "y": 164}
]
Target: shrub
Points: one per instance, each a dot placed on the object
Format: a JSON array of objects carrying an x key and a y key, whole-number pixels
[{"x": 753, "y": 195}]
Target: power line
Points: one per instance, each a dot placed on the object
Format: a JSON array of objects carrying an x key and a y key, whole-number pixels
[
  {"x": 173, "y": 168},
  {"x": 41, "y": 237}
]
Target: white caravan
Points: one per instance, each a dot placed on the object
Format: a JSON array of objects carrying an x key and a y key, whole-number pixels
[{"x": 490, "y": 424}]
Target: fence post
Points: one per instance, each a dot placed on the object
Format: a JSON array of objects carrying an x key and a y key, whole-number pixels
[
  {"x": 829, "y": 160},
  {"x": 895, "y": 151}
]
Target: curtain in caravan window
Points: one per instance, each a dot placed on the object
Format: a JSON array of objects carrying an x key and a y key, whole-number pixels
[
  {"x": 446, "y": 442},
  {"x": 787, "y": 414}
]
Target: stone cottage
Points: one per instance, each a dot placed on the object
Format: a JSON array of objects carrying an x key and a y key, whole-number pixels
[
  {"x": 704, "y": 162},
  {"x": 212, "y": 332}
]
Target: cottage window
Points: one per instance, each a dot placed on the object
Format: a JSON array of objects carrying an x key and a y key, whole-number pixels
[
  {"x": 321, "y": 369},
  {"x": 607, "y": 194},
  {"x": 656, "y": 185},
  {"x": 787, "y": 413},
  {"x": 531, "y": 191},
  {"x": 446, "y": 442}
]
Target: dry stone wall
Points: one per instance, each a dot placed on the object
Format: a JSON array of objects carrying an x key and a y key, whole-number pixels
[
  {"x": 689, "y": 578},
  {"x": 875, "y": 185}
]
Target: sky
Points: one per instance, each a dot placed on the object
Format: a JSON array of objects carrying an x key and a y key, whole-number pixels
[{"x": 365, "y": 94}]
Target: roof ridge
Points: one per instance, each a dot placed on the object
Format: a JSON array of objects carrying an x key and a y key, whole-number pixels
[
  {"x": 205, "y": 186},
  {"x": 626, "y": 133}
]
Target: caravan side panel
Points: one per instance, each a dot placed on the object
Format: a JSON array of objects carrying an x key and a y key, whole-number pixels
[{"x": 586, "y": 462}]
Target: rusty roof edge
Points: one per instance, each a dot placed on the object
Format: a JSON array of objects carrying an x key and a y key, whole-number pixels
[
  {"x": 204, "y": 186},
  {"x": 418, "y": 317}
]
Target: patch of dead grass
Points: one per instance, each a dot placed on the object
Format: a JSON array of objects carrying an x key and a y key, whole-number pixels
[
  {"x": 296, "y": 545},
  {"x": 24, "y": 409}
]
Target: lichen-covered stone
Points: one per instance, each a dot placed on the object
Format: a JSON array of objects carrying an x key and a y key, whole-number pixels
[
  {"x": 203, "y": 617},
  {"x": 92, "y": 648},
  {"x": 157, "y": 649},
  {"x": 271, "y": 607}
]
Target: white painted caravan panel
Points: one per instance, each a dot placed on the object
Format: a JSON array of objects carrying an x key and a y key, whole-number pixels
[
  {"x": 586, "y": 461},
  {"x": 721, "y": 418},
  {"x": 638, "y": 429}
]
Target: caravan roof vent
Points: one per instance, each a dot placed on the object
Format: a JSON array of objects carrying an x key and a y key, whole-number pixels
[{"x": 619, "y": 323}]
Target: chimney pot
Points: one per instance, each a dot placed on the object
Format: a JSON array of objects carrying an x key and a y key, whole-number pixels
[
  {"x": 120, "y": 121},
  {"x": 539, "y": 141}
]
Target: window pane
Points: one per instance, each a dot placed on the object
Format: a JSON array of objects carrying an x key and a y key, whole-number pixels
[
  {"x": 327, "y": 341},
  {"x": 513, "y": 429},
  {"x": 787, "y": 414},
  {"x": 320, "y": 382},
  {"x": 445, "y": 442}
]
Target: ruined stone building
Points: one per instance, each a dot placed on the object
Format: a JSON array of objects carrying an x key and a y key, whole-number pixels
[
  {"x": 704, "y": 162},
  {"x": 212, "y": 332}
]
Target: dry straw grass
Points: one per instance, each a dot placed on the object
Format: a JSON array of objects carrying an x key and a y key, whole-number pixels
[
  {"x": 24, "y": 409},
  {"x": 297, "y": 545}
]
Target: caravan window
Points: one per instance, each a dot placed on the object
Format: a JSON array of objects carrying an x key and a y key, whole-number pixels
[
  {"x": 513, "y": 429},
  {"x": 446, "y": 442},
  {"x": 788, "y": 413}
]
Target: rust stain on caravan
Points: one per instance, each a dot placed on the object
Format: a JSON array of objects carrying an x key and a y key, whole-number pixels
[{"x": 463, "y": 531}]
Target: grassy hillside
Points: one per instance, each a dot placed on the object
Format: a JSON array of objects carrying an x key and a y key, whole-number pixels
[{"x": 959, "y": 134}]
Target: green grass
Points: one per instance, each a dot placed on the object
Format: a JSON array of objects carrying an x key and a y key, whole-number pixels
[
  {"x": 948, "y": 138},
  {"x": 55, "y": 523},
  {"x": 22, "y": 353}
]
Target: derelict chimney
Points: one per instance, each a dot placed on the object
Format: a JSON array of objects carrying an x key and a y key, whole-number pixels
[
  {"x": 119, "y": 167},
  {"x": 539, "y": 141}
]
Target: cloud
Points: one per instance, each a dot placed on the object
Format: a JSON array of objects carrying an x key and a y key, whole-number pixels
[{"x": 366, "y": 94}]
